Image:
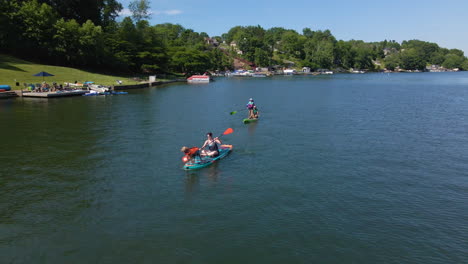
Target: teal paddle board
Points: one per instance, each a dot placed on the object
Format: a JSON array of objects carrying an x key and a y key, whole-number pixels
[{"x": 207, "y": 161}]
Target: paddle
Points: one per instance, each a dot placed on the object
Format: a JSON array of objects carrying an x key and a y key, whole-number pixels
[
  {"x": 227, "y": 132},
  {"x": 233, "y": 112}
]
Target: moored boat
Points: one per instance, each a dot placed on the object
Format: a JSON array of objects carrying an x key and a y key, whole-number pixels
[
  {"x": 198, "y": 79},
  {"x": 259, "y": 75},
  {"x": 98, "y": 88}
]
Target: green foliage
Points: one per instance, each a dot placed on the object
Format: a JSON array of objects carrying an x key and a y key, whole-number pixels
[
  {"x": 437, "y": 58},
  {"x": 319, "y": 53},
  {"x": 292, "y": 44},
  {"x": 392, "y": 61},
  {"x": 262, "y": 57},
  {"x": 363, "y": 55},
  {"x": 465, "y": 65},
  {"x": 37, "y": 26},
  {"x": 344, "y": 55},
  {"x": 411, "y": 60},
  {"x": 85, "y": 33},
  {"x": 100, "y": 12},
  {"x": 139, "y": 9},
  {"x": 453, "y": 60},
  {"x": 219, "y": 60}
]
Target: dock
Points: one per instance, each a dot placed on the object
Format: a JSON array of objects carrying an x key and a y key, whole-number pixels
[
  {"x": 54, "y": 94},
  {"x": 8, "y": 94}
]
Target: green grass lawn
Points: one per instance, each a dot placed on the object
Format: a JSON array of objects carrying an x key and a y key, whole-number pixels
[{"x": 12, "y": 69}]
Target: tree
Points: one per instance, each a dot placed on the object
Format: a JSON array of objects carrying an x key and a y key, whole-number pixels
[
  {"x": 8, "y": 26},
  {"x": 219, "y": 60},
  {"x": 100, "y": 12},
  {"x": 437, "y": 58},
  {"x": 318, "y": 53},
  {"x": 344, "y": 55},
  {"x": 67, "y": 41},
  {"x": 410, "y": 60},
  {"x": 190, "y": 61},
  {"x": 139, "y": 9},
  {"x": 453, "y": 61},
  {"x": 292, "y": 44},
  {"x": 392, "y": 61},
  {"x": 262, "y": 57},
  {"x": 37, "y": 26},
  {"x": 91, "y": 40}
]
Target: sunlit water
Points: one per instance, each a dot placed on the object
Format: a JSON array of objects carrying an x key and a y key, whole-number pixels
[{"x": 364, "y": 168}]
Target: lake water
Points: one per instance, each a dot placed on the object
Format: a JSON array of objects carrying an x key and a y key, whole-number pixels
[{"x": 347, "y": 168}]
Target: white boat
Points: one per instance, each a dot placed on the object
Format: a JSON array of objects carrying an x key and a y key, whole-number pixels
[
  {"x": 198, "y": 79},
  {"x": 289, "y": 72},
  {"x": 98, "y": 88},
  {"x": 242, "y": 73}
]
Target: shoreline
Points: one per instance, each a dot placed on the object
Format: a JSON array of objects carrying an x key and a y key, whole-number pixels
[{"x": 21, "y": 93}]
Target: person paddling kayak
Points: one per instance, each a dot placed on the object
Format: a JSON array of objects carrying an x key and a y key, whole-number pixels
[
  {"x": 250, "y": 106},
  {"x": 212, "y": 144}
]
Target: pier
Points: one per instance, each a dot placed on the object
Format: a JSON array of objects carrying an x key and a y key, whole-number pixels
[{"x": 53, "y": 94}]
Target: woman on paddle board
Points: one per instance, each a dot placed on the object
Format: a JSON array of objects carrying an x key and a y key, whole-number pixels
[
  {"x": 212, "y": 144},
  {"x": 250, "y": 106}
]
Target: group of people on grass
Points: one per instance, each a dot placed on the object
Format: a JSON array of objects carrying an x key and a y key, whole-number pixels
[{"x": 210, "y": 146}]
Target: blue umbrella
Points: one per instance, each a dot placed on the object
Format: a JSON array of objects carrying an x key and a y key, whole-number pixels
[{"x": 43, "y": 74}]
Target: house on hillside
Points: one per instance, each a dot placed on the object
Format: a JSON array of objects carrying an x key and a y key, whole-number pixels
[
  {"x": 306, "y": 69},
  {"x": 234, "y": 47},
  {"x": 212, "y": 42}
]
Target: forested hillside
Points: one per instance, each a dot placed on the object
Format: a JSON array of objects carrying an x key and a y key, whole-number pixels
[{"x": 90, "y": 33}]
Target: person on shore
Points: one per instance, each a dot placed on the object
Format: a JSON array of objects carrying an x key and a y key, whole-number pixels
[
  {"x": 212, "y": 144},
  {"x": 250, "y": 106},
  {"x": 255, "y": 112},
  {"x": 44, "y": 87},
  {"x": 191, "y": 154}
]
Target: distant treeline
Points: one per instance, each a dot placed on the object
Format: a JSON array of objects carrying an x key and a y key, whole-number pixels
[
  {"x": 87, "y": 33},
  {"x": 321, "y": 50}
]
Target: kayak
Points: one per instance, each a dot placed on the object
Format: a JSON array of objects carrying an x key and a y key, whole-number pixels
[
  {"x": 248, "y": 120},
  {"x": 113, "y": 92},
  {"x": 104, "y": 93},
  {"x": 207, "y": 161}
]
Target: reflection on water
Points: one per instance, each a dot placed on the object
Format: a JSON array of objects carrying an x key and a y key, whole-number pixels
[
  {"x": 252, "y": 127},
  {"x": 210, "y": 173}
]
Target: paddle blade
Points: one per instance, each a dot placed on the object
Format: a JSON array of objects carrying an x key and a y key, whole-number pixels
[
  {"x": 233, "y": 112},
  {"x": 228, "y": 131}
]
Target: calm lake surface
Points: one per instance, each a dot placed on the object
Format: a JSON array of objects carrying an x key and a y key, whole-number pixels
[{"x": 347, "y": 168}]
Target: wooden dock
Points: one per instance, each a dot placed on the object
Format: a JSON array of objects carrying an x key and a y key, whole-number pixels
[
  {"x": 8, "y": 94},
  {"x": 54, "y": 94}
]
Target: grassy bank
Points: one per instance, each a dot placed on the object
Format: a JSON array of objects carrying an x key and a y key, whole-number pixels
[{"x": 12, "y": 69}]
